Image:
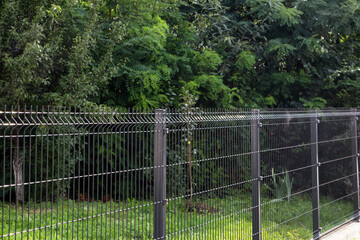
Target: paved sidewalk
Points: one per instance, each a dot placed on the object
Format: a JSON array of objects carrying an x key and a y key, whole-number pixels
[{"x": 347, "y": 232}]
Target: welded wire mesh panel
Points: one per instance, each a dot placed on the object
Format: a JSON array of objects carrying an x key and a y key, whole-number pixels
[
  {"x": 209, "y": 175},
  {"x": 285, "y": 166},
  {"x": 98, "y": 173},
  {"x": 336, "y": 174},
  {"x": 69, "y": 173}
]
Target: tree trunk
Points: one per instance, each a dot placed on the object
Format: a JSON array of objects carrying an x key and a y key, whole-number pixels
[{"x": 18, "y": 163}]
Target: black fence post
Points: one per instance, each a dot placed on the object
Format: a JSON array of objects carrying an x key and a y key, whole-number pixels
[
  {"x": 160, "y": 175},
  {"x": 315, "y": 174},
  {"x": 355, "y": 163},
  {"x": 256, "y": 174}
]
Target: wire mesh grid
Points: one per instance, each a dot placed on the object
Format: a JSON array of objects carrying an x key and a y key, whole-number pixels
[{"x": 101, "y": 173}]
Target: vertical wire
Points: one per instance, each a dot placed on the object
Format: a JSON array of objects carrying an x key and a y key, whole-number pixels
[
  {"x": 211, "y": 154},
  {"x": 91, "y": 158},
  {"x": 132, "y": 160},
  {"x": 143, "y": 186},
  {"x": 85, "y": 190},
  {"x": 227, "y": 162},
  {"x": 71, "y": 147},
  {"x": 222, "y": 150},
  {"x": 238, "y": 169},
  {"x": 52, "y": 199},
  {"x": 126, "y": 174},
  {"x": 95, "y": 168},
  {"x": 47, "y": 171},
  {"x": 35, "y": 174},
  {"x": 23, "y": 169},
  {"x": 123, "y": 185},
  {"x": 107, "y": 175},
  {"x": 119, "y": 154},
  {"x": 140, "y": 166},
  {"x": 4, "y": 179},
  {"x": 83, "y": 175},
  {"x": 150, "y": 166},
  {"x": 105, "y": 168},
  {"x": 182, "y": 150},
  {"x": 112, "y": 167},
  {"x": 112, "y": 170},
  {"x": 184, "y": 156},
  {"x": 77, "y": 198},
  {"x": 59, "y": 198},
  {"x": 41, "y": 168},
  {"x": 10, "y": 163},
  {"x": 202, "y": 221},
  {"x": 199, "y": 185},
  {"x": 171, "y": 168},
  {"x": 102, "y": 158},
  {"x": 114, "y": 159},
  {"x": 136, "y": 172},
  {"x": 16, "y": 151},
  {"x": 65, "y": 183},
  {"x": 61, "y": 172},
  {"x": 182, "y": 173},
  {"x": 72, "y": 161},
  {"x": 128, "y": 166}
]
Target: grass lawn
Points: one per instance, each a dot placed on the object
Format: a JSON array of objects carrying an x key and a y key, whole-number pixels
[{"x": 228, "y": 218}]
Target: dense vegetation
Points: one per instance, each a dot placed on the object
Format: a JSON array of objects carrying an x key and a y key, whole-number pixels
[
  {"x": 175, "y": 54},
  {"x": 110, "y": 220},
  {"x": 147, "y": 53}
]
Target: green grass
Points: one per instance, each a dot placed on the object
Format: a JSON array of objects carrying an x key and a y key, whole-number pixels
[{"x": 228, "y": 218}]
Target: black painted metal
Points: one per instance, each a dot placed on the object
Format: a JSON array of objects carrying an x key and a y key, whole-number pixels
[
  {"x": 179, "y": 174},
  {"x": 355, "y": 164},
  {"x": 160, "y": 175},
  {"x": 255, "y": 173},
  {"x": 315, "y": 174}
]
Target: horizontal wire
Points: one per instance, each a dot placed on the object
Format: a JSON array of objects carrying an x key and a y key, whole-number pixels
[
  {"x": 339, "y": 219},
  {"x": 211, "y": 159},
  {"x": 286, "y": 123},
  {"x": 307, "y": 212},
  {"x": 306, "y": 144},
  {"x": 74, "y": 134},
  {"x": 290, "y": 171},
  {"x": 307, "y": 189},
  {"x": 206, "y": 223},
  {"x": 343, "y": 217},
  {"x": 338, "y": 159},
  {"x": 308, "y": 166},
  {"x": 82, "y": 219},
  {"x": 210, "y": 190},
  {"x": 153, "y": 203}
]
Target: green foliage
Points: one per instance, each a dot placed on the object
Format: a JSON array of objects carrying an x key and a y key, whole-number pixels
[
  {"x": 283, "y": 186},
  {"x": 315, "y": 103},
  {"x": 245, "y": 61},
  {"x": 279, "y": 49},
  {"x": 242, "y": 53},
  {"x": 106, "y": 225},
  {"x": 275, "y": 11},
  {"x": 50, "y": 57}
]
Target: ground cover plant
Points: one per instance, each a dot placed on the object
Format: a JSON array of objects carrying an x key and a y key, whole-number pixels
[{"x": 281, "y": 219}]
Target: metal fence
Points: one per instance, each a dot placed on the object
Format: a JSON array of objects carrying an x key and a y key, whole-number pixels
[{"x": 100, "y": 173}]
